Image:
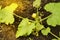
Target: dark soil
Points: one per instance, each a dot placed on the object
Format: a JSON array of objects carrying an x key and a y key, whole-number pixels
[{"x": 7, "y": 32}]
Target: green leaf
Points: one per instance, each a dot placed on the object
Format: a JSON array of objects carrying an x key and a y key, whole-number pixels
[
  {"x": 45, "y": 31},
  {"x": 54, "y": 39},
  {"x": 58, "y": 38},
  {"x": 6, "y": 14},
  {"x": 25, "y": 28},
  {"x": 39, "y": 27},
  {"x": 0, "y": 7},
  {"x": 54, "y": 8},
  {"x": 37, "y": 3}
]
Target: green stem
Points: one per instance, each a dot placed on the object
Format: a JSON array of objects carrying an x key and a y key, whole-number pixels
[
  {"x": 37, "y": 16},
  {"x": 54, "y": 35},
  {"x": 45, "y": 18},
  {"x": 18, "y": 16},
  {"x": 59, "y": 34},
  {"x": 21, "y": 17}
]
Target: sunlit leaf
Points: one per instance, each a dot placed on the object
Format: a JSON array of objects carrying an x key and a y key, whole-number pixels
[
  {"x": 39, "y": 27},
  {"x": 58, "y": 38},
  {"x": 54, "y": 8},
  {"x": 0, "y": 7},
  {"x": 25, "y": 28},
  {"x": 36, "y": 3},
  {"x": 46, "y": 31},
  {"x": 54, "y": 39},
  {"x": 6, "y": 14}
]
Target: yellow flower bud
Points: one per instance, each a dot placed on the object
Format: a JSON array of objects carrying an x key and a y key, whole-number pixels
[{"x": 34, "y": 15}]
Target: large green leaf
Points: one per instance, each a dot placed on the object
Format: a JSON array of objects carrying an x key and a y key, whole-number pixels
[
  {"x": 25, "y": 28},
  {"x": 54, "y": 8},
  {"x": 6, "y": 14}
]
